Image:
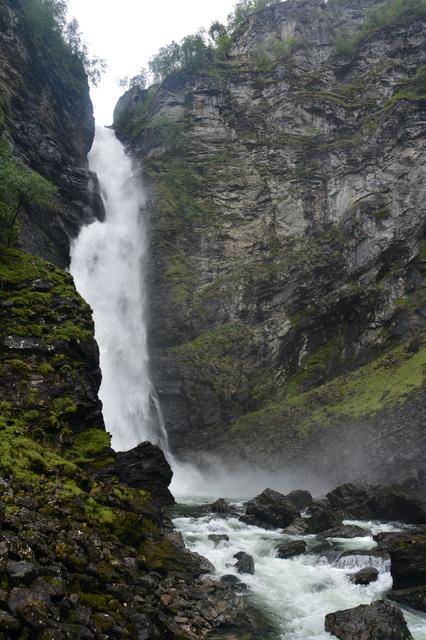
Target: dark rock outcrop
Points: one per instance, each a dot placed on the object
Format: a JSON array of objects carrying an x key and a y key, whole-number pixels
[
  {"x": 300, "y": 498},
  {"x": 377, "y": 621},
  {"x": 220, "y": 506},
  {"x": 270, "y": 509},
  {"x": 345, "y": 531},
  {"x": 245, "y": 563},
  {"x": 407, "y": 551},
  {"x": 291, "y": 549},
  {"x": 365, "y": 576},
  {"x": 404, "y": 503},
  {"x": 321, "y": 518},
  {"x": 146, "y": 467}
]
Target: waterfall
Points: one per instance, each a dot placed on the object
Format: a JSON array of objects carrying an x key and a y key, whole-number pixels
[{"x": 108, "y": 261}]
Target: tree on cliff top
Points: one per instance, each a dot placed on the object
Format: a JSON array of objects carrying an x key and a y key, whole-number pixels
[
  {"x": 47, "y": 20},
  {"x": 197, "y": 52},
  {"x": 19, "y": 188}
]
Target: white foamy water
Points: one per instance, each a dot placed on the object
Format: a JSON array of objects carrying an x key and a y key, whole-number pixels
[
  {"x": 107, "y": 262},
  {"x": 298, "y": 593}
]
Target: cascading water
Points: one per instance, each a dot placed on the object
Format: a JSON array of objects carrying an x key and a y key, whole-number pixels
[{"x": 107, "y": 262}]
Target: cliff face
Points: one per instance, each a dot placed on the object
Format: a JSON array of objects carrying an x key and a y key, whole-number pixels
[
  {"x": 287, "y": 208},
  {"x": 47, "y": 117}
]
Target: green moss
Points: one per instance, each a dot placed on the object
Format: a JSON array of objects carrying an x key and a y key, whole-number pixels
[
  {"x": 26, "y": 459},
  {"x": 386, "y": 382},
  {"x": 45, "y": 368},
  {"x": 337, "y": 99},
  {"x": 18, "y": 366},
  {"x": 89, "y": 445}
]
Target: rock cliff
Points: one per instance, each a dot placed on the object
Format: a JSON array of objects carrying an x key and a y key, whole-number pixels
[
  {"x": 47, "y": 117},
  {"x": 286, "y": 203}
]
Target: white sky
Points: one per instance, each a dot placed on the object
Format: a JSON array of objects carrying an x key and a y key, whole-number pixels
[{"x": 128, "y": 32}]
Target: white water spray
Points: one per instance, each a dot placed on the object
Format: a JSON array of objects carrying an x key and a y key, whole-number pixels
[{"x": 107, "y": 262}]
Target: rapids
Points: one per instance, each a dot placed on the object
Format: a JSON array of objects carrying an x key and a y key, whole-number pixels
[{"x": 297, "y": 593}]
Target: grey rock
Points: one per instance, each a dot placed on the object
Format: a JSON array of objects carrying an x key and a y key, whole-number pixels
[
  {"x": 291, "y": 549},
  {"x": 270, "y": 509},
  {"x": 365, "y": 576},
  {"x": 217, "y": 538},
  {"x": 378, "y": 621},
  {"x": 245, "y": 563}
]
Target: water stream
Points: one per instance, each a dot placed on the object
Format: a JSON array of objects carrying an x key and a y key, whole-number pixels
[
  {"x": 297, "y": 593},
  {"x": 109, "y": 266}
]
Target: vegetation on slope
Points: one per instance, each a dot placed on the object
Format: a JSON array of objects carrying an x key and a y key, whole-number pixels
[{"x": 387, "y": 381}]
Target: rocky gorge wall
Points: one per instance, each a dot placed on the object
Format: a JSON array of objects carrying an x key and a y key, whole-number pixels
[
  {"x": 47, "y": 118},
  {"x": 286, "y": 203}
]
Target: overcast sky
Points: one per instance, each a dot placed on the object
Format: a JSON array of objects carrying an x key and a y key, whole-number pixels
[{"x": 128, "y": 32}]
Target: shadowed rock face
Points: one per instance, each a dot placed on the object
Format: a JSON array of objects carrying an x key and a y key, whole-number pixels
[
  {"x": 146, "y": 467},
  {"x": 286, "y": 202},
  {"x": 48, "y": 118}
]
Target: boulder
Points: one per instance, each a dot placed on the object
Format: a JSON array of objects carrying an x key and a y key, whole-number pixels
[
  {"x": 233, "y": 581},
  {"x": 218, "y": 537},
  {"x": 300, "y": 498},
  {"x": 297, "y": 527},
  {"x": 346, "y": 531},
  {"x": 322, "y": 518},
  {"x": 291, "y": 549},
  {"x": 405, "y": 502},
  {"x": 365, "y": 576},
  {"x": 245, "y": 563},
  {"x": 407, "y": 550},
  {"x": 270, "y": 509},
  {"x": 145, "y": 467},
  {"x": 377, "y": 621},
  {"x": 220, "y": 506}
]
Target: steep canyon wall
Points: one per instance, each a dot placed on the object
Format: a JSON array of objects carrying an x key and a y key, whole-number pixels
[{"x": 287, "y": 210}]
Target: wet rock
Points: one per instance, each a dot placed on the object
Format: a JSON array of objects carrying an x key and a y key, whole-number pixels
[
  {"x": 229, "y": 579},
  {"x": 20, "y": 572},
  {"x": 270, "y": 509},
  {"x": 300, "y": 498},
  {"x": 291, "y": 549},
  {"x": 365, "y": 576},
  {"x": 407, "y": 552},
  {"x": 145, "y": 467},
  {"x": 245, "y": 563},
  {"x": 220, "y": 506},
  {"x": 401, "y": 502},
  {"x": 321, "y": 518},
  {"x": 8, "y": 623},
  {"x": 218, "y": 537},
  {"x": 378, "y": 621},
  {"x": 414, "y": 597},
  {"x": 297, "y": 527},
  {"x": 347, "y": 531}
]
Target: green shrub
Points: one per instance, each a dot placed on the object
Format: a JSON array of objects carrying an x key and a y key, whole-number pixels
[
  {"x": 391, "y": 13},
  {"x": 19, "y": 188},
  {"x": 420, "y": 81}
]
